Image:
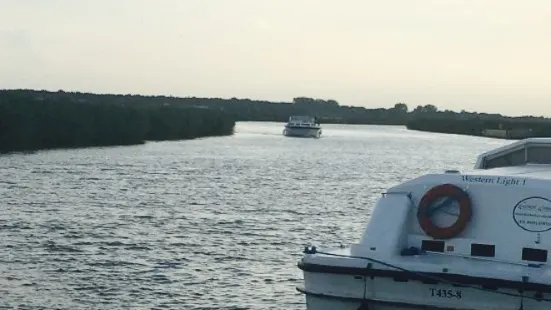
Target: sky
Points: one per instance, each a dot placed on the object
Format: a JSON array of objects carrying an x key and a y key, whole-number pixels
[{"x": 477, "y": 55}]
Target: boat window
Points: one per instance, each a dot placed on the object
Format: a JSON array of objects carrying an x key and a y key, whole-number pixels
[
  {"x": 539, "y": 154},
  {"x": 515, "y": 158},
  {"x": 300, "y": 118},
  {"x": 534, "y": 153},
  {"x": 402, "y": 278},
  {"x": 484, "y": 250},
  {"x": 535, "y": 255},
  {"x": 429, "y": 281},
  {"x": 432, "y": 245}
]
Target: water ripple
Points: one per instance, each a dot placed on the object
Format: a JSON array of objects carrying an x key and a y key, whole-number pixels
[{"x": 214, "y": 223}]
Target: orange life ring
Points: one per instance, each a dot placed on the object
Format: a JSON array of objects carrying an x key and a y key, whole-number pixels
[{"x": 440, "y": 191}]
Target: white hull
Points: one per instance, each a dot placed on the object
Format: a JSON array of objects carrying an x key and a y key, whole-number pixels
[
  {"x": 302, "y": 132},
  {"x": 347, "y": 292},
  {"x": 322, "y": 303}
]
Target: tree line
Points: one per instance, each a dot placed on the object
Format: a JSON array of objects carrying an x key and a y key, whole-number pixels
[
  {"x": 328, "y": 111},
  {"x": 430, "y": 119},
  {"x": 31, "y": 119},
  {"x": 31, "y": 122}
]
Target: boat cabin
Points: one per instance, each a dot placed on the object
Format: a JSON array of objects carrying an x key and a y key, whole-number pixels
[
  {"x": 302, "y": 120},
  {"x": 528, "y": 151}
]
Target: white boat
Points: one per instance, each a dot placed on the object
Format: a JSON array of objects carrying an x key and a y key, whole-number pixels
[
  {"x": 302, "y": 126},
  {"x": 475, "y": 240}
]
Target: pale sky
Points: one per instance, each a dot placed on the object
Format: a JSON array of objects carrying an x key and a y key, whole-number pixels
[{"x": 478, "y": 55}]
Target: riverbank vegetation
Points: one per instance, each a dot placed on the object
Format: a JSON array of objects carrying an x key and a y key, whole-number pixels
[
  {"x": 488, "y": 125},
  {"x": 32, "y": 119},
  {"x": 328, "y": 111},
  {"x": 30, "y": 122}
]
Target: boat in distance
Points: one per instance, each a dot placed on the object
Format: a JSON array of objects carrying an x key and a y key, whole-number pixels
[
  {"x": 472, "y": 240},
  {"x": 302, "y": 126}
]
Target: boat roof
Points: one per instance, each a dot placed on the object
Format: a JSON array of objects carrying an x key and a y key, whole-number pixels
[
  {"x": 535, "y": 171},
  {"x": 527, "y": 152},
  {"x": 526, "y": 160},
  {"x": 302, "y": 117}
]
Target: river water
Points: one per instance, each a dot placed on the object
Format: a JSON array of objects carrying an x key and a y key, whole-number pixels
[{"x": 215, "y": 223}]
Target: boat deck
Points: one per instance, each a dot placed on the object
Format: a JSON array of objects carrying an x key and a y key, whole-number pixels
[
  {"x": 535, "y": 171},
  {"x": 440, "y": 263}
]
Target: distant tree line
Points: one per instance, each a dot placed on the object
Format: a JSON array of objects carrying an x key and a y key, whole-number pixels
[
  {"x": 31, "y": 122},
  {"x": 328, "y": 111},
  {"x": 476, "y": 124},
  {"x": 43, "y": 119}
]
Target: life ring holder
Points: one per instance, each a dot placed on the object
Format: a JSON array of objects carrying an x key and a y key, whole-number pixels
[{"x": 440, "y": 191}]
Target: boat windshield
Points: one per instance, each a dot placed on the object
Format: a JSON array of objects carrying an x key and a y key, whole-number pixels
[{"x": 527, "y": 154}]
